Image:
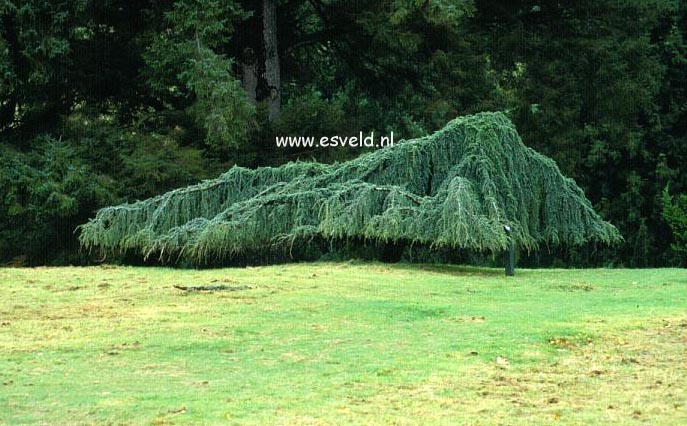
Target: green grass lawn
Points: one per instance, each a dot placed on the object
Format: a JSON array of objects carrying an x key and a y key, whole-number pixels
[{"x": 343, "y": 343}]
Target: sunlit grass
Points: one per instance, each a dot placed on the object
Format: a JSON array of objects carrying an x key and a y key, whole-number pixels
[{"x": 343, "y": 343}]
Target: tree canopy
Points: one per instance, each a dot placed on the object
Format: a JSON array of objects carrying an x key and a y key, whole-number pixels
[{"x": 456, "y": 188}]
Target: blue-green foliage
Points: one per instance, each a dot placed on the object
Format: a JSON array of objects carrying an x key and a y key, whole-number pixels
[{"x": 455, "y": 188}]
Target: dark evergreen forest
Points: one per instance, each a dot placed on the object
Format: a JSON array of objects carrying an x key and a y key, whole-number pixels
[{"x": 111, "y": 101}]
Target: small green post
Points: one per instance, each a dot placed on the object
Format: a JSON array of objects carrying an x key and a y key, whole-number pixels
[{"x": 510, "y": 256}]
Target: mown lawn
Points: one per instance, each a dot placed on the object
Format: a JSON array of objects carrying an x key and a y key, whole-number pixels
[{"x": 343, "y": 343}]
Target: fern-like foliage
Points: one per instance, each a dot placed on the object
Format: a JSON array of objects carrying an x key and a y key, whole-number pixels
[{"x": 455, "y": 188}]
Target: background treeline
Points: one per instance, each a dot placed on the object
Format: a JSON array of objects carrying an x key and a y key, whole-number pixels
[{"x": 108, "y": 101}]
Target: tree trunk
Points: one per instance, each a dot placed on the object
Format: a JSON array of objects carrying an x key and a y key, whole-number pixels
[
  {"x": 272, "y": 72},
  {"x": 249, "y": 74}
]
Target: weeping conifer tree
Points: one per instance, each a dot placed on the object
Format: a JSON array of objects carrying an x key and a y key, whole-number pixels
[{"x": 455, "y": 188}]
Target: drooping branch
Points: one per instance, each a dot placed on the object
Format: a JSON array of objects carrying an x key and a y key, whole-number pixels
[{"x": 455, "y": 188}]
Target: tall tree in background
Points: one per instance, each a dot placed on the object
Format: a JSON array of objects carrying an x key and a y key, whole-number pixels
[
  {"x": 257, "y": 48},
  {"x": 37, "y": 81},
  {"x": 188, "y": 70},
  {"x": 272, "y": 69}
]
